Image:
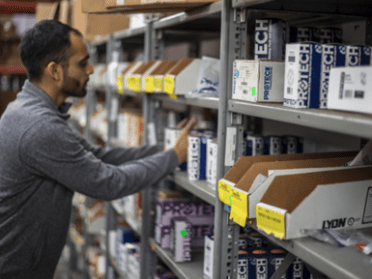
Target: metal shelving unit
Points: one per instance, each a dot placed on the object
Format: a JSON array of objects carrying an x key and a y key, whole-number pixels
[
  {"x": 187, "y": 270},
  {"x": 208, "y": 102},
  {"x": 199, "y": 188}
]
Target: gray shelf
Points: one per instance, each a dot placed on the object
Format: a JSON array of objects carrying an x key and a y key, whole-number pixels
[
  {"x": 187, "y": 270},
  {"x": 129, "y": 33},
  {"x": 211, "y": 10},
  {"x": 339, "y": 7},
  {"x": 210, "y": 102},
  {"x": 333, "y": 261},
  {"x": 335, "y": 121},
  {"x": 199, "y": 188}
]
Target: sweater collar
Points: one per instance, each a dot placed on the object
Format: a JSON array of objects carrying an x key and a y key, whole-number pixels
[{"x": 32, "y": 89}]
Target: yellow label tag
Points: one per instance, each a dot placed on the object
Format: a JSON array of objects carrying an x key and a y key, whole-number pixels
[
  {"x": 224, "y": 192},
  {"x": 270, "y": 221},
  {"x": 158, "y": 84},
  {"x": 239, "y": 207},
  {"x": 149, "y": 84},
  {"x": 119, "y": 83},
  {"x": 134, "y": 83},
  {"x": 169, "y": 86}
]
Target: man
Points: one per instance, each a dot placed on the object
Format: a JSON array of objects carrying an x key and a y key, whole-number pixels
[{"x": 43, "y": 162}]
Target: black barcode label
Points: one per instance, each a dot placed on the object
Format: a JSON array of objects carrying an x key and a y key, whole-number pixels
[
  {"x": 291, "y": 59},
  {"x": 358, "y": 94},
  {"x": 348, "y": 94},
  {"x": 245, "y": 92},
  {"x": 342, "y": 83},
  {"x": 244, "y": 83},
  {"x": 289, "y": 90}
]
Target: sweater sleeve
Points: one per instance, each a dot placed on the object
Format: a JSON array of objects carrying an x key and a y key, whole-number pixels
[
  {"x": 50, "y": 149},
  {"x": 118, "y": 155}
]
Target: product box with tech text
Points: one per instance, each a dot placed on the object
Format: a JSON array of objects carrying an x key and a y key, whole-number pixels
[
  {"x": 272, "y": 145},
  {"x": 181, "y": 235},
  {"x": 258, "y": 80},
  {"x": 304, "y": 34},
  {"x": 338, "y": 199},
  {"x": 212, "y": 147},
  {"x": 350, "y": 89},
  {"x": 243, "y": 164},
  {"x": 357, "y": 55},
  {"x": 302, "y": 75},
  {"x": 332, "y": 56},
  {"x": 254, "y": 146},
  {"x": 208, "y": 256},
  {"x": 249, "y": 190},
  {"x": 292, "y": 144},
  {"x": 270, "y": 39}
]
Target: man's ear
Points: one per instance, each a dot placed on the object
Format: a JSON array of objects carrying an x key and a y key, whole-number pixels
[{"x": 54, "y": 70}]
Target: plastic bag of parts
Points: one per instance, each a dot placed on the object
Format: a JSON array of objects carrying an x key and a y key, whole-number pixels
[
  {"x": 209, "y": 79},
  {"x": 361, "y": 239}
]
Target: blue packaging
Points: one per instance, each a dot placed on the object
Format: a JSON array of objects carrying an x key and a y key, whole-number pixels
[
  {"x": 197, "y": 156},
  {"x": 304, "y": 34},
  {"x": 292, "y": 145},
  {"x": 126, "y": 235},
  {"x": 332, "y": 56},
  {"x": 272, "y": 145},
  {"x": 258, "y": 264},
  {"x": 302, "y": 75},
  {"x": 270, "y": 39},
  {"x": 357, "y": 55},
  {"x": 243, "y": 258},
  {"x": 296, "y": 269},
  {"x": 254, "y": 146},
  {"x": 330, "y": 35},
  {"x": 276, "y": 258}
]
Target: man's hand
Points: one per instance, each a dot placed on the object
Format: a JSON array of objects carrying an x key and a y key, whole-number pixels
[{"x": 182, "y": 141}]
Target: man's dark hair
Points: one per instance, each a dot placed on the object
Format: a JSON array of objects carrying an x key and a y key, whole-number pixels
[{"x": 46, "y": 42}]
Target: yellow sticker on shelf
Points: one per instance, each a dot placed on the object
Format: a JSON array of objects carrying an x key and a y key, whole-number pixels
[
  {"x": 134, "y": 83},
  {"x": 169, "y": 86},
  {"x": 149, "y": 84},
  {"x": 239, "y": 207},
  {"x": 272, "y": 222},
  {"x": 158, "y": 85},
  {"x": 224, "y": 192},
  {"x": 119, "y": 83}
]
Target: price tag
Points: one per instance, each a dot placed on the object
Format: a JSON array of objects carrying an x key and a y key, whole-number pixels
[
  {"x": 169, "y": 86},
  {"x": 224, "y": 192},
  {"x": 158, "y": 84},
  {"x": 119, "y": 82},
  {"x": 149, "y": 84},
  {"x": 271, "y": 221},
  {"x": 134, "y": 83},
  {"x": 239, "y": 207}
]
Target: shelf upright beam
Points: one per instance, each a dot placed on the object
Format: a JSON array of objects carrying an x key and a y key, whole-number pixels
[
  {"x": 233, "y": 46},
  {"x": 148, "y": 258}
]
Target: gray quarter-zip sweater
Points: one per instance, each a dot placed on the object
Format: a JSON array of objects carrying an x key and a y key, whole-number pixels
[{"x": 42, "y": 163}]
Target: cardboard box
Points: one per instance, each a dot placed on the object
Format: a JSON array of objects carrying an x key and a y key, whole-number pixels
[
  {"x": 183, "y": 77},
  {"x": 302, "y": 75},
  {"x": 332, "y": 56},
  {"x": 132, "y": 67},
  {"x": 208, "y": 256},
  {"x": 237, "y": 171},
  {"x": 339, "y": 199},
  {"x": 258, "y": 80},
  {"x": 252, "y": 184},
  {"x": 350, "y": 89},
  {"x": 136, "y": 80},
  {"x": 154, "y": 81}
]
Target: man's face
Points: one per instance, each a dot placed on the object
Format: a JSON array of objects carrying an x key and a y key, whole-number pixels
[{"x": 76, "y": 72}]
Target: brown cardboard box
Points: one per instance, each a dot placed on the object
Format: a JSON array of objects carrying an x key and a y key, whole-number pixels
[
  {"x": 45, "y": 11},
  {"x": 60, "y": 11},
  {"x": 334, "y": 199},
  {"x": 240, "y": 167}
]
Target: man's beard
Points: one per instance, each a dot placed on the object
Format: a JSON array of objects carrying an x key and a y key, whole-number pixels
[{"x": 71, "y": 87}]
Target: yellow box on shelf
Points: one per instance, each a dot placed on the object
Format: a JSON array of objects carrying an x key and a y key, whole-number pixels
[
  {"x": 183, "y": 77},
  {"x": 136, "y": 80},
  {"x": 121, "y": 78},
  {"x": 155, "y": 79},
  {"x": 250, "y": 188},
  {"x": 333, "y": 199}
]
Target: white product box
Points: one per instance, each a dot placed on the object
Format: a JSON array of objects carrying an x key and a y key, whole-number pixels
[
  {"x": 170, "y": 137},
  {"x": 208, "y": 256},
  {"x": 212, "y": 162},
  {"x": 181, "y": 234},
  {"x": 332, "y": 56},
  {"x": 339, "y": 199},
  {"x": 258, "y": 80},
  {"x": 302, "y": 75},
  {"x": 350, "y": 89},
  {"x": 272, "y": 145},
  {"x": 254, "y": 146}
]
